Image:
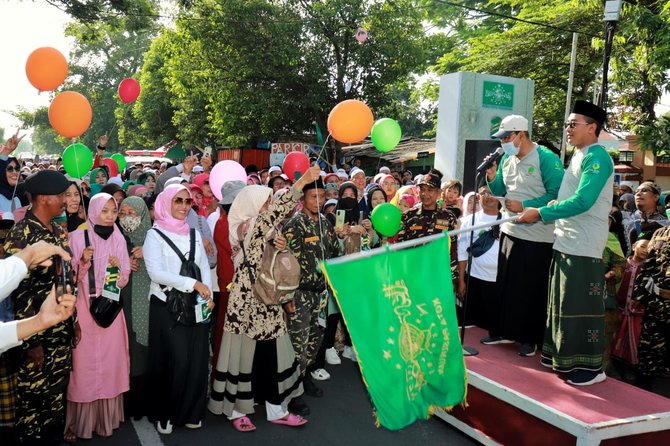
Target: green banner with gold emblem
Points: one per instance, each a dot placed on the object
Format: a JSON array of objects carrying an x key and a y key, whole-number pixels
[{"x": 399, "y": 309}]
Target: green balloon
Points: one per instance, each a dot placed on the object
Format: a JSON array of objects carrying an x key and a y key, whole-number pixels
[
  {"x": 386, "y": 219},
  {"x": 120, "y": 161},
  {"x": 77, "y": 160},
  {"x": 386, "y": 134}
]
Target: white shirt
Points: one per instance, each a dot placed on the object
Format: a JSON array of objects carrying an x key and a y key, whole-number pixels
[
  {"x": 12, "y": 271},
  {"x": 163, "y": 264},
  {"x": 484, "y": 267}
]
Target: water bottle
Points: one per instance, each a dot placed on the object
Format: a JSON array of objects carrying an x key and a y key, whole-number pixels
[{"x": 205, "y": 309}]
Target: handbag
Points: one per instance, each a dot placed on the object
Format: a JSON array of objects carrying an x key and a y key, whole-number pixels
[
  {"x": 486, "y": 240},
  {"x": 103, "y": 309},
  {"x": 180, "y": 304},
  {"x": 278, "y": 274}
]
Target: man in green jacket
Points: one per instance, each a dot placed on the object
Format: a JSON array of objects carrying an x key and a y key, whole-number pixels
[
  {"x": 573, "y": 342},
  {"x": 529, "y": 175}
]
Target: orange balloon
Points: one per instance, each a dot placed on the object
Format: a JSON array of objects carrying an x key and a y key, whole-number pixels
[
  {"x": 46, "y": 68},
  {"x": 350, "y": 121},
  {"x": 70, "y": 114}
]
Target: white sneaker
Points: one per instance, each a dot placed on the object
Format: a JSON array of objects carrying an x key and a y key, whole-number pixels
[
  {"x": 320, "y": 374},
  {"x": 349, "y": 353},
  {"x": 165, "y": 431},
  {"x": 198, "y": 425},
  {"x": 332, "y": 357}
]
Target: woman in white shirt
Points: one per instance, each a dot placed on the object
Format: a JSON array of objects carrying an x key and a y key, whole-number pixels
[{"x": 178, "y": 354}]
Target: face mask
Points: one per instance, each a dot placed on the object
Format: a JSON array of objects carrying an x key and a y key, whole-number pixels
[
  {"x": 130, "y": 224},
  {"x": 509, "y": 148}
]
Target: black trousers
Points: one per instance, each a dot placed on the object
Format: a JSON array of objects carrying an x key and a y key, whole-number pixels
[{"x": 178, "y": 367}]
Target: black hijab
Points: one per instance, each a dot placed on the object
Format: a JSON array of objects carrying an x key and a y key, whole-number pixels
[
  {"x": 6, "y": 190},
  {"x": 352, "y": 212}
]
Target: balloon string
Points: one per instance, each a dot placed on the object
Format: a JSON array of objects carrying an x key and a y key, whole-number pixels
[{"x": 81, "y": 193}]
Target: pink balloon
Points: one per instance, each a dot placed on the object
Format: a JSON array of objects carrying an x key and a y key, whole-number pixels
[
  {"x": 112, "y": 166},
  {"x": 361, "y": 35},
  {"x": 129, "y": 90},
  {"x": 226, "y": 170},
  {"x": 295, "y": 162}
]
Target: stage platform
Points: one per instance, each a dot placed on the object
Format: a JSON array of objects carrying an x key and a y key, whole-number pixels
[{"x": 514, "y": 400}]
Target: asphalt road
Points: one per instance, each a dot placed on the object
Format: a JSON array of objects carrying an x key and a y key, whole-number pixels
[{"x": 343, "y": 416}]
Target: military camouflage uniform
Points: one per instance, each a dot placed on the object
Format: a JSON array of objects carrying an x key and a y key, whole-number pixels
[
  {"x": 303, "y": 238},
  {"x": 652, "y": 289},
  {"x": 418, "y": 223},
  {"x": 40, "y": 408}
]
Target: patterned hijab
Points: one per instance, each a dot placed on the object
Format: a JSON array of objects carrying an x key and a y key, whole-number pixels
[{"x": 138, "y": 235}]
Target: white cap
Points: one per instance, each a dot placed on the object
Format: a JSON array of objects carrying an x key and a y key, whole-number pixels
[
  {"x": 116, "y": 180},
  {"x": 284, "y": 176},
  {"x": 329, "y": 202},
  {"x": 511, "y": 123},
  {"x": 342, "y": 175},
  {"x": 378, "y": 176},
  {"x": 274, "y": 169},
  {"x": 417, "y": 178},
  {"x": 198, "y": 169},
  {"x": 384, "y": 169},
  {"x": 355, "y": 171}
]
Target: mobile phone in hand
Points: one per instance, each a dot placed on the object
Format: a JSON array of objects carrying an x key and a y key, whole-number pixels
[{"x": 339, "y": 220}]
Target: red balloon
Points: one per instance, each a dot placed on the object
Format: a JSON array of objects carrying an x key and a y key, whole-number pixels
[
  {"x": 295, "y": 162},
  {"x": 129, "y": 90},
  {"x": 112, "y": 166}
]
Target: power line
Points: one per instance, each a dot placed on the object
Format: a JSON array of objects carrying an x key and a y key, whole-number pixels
[{"x": 517, "y": 19}]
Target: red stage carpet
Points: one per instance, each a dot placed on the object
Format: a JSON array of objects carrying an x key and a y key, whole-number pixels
[{"x": 514, "y": 400}]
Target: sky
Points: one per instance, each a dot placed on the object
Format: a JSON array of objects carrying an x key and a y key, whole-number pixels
[{"x": 26, "y": 25}]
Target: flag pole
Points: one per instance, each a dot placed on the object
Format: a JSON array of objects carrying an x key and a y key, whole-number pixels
[{"x": 416, "y": 242}]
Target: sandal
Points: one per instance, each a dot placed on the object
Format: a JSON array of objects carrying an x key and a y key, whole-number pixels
[
  {"x": 290, "y": 420},
  {"x": 69, "y": 437},
  {"x": 243, "y": 424}
]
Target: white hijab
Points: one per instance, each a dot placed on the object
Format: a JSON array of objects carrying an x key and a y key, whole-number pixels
[{"x": 245, "y": 209}]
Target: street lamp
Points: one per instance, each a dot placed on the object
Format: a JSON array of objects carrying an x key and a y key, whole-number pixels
[{"x": 611, "y": 18}]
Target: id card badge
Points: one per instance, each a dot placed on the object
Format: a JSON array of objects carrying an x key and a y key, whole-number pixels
[{"x": 109, "y": 289}]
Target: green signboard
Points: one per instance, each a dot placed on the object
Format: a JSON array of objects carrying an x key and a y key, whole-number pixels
[
  {"x": 495, "y": 125},
  {"x": 498, "y": 95}
]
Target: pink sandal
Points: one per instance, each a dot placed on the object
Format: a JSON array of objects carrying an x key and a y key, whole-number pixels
[
  {"x": 243, "y": 424},
  {"x": 291, "y": 420}
]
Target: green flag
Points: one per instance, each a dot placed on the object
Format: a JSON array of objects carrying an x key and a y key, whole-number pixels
[{"x": 399, "y": 309}]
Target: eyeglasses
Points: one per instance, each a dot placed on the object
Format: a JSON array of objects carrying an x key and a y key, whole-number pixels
[
  {"x": 573, "y": 124},
  {"x": 186, "y": 201},
  {"x": 645, "y": 189},
  {"x": 12, "y": 169}
]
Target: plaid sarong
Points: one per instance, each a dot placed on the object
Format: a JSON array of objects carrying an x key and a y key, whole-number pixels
[{"x": 7, "y": 393}]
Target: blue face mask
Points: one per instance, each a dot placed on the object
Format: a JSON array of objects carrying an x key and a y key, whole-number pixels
[{"x": 509, "y": 148}]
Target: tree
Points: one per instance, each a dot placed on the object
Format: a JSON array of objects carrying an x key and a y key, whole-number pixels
[{"x": 239, "y": 71}]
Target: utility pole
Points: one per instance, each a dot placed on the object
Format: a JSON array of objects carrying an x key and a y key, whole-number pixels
[{"x": 611, "y": 18}]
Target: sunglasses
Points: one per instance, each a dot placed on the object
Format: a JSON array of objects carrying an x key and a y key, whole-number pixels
[
  {"x": 645, "y": 190},
  {"x": 186, "y": 201},
  {"x": 573, "y": 124},
  {"x": 12, "y": 169}
]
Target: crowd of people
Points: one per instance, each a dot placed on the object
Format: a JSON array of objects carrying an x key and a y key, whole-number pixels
[{"x": 557, "y": 280}]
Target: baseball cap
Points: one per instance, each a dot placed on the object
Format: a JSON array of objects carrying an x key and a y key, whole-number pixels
[
  {"x": 509, "y": 124},
  {"x": 355, "y": 171},
  {"x": 430, "y": 179}
]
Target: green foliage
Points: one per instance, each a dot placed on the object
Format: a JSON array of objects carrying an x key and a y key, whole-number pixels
[
  {"x": 44, "y": 139},
  {"x": 656, "y": 137}
]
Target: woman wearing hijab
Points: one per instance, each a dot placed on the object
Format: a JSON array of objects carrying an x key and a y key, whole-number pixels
[
  {"x": 178, "y": 353},
  {"x": 148, "y": 180},
  {"x": 256, "y": 358},
  {"x": 135, "y": 222},
  {"x": 390, "y": 186},
  {"x": 9, "y": 179},
  {"x": 202, "y": 181},
  {"x": 73, "y": 203},
  {"x": 100, "y": 363}
]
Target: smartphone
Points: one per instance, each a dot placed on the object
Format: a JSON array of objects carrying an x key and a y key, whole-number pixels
[
  {"x": 339, "y": 220},
  {"x": 64, "y": 277},
  {"x": 207, "y": 151}
]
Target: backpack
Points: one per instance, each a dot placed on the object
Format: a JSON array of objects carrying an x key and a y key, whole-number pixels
[
  {"x": 181, "y": 305},
  {"x": 278, "y": 273}
]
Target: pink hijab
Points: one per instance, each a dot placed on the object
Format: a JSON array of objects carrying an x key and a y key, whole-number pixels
[
  {"x": 163, "y": 210},
  {"x": 199, "y": 181}
]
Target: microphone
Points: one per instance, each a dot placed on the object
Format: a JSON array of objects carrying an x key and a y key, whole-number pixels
[{"x": 490, "y": 159}]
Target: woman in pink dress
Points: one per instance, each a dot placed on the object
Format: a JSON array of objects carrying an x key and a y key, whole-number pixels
[{"x": 101, "y": 365}]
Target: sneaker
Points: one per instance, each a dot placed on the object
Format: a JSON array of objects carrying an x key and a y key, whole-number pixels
[
  {"x": 164, "y": 430},
  {"x": 349, "y": 353},
  {"x": 547, "y": 362},
  {"x": 320, "y": 374},
  {"x": 494, "y": 340},
  {"x": 332, "y": 357},
  {"x": 298, "y": 406},
  {"x": 527, "y": 350},
  {"x": 585, "y": 377},
  {"x": 197, "y": 425},
  {"x": 311, "y": 389}
]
